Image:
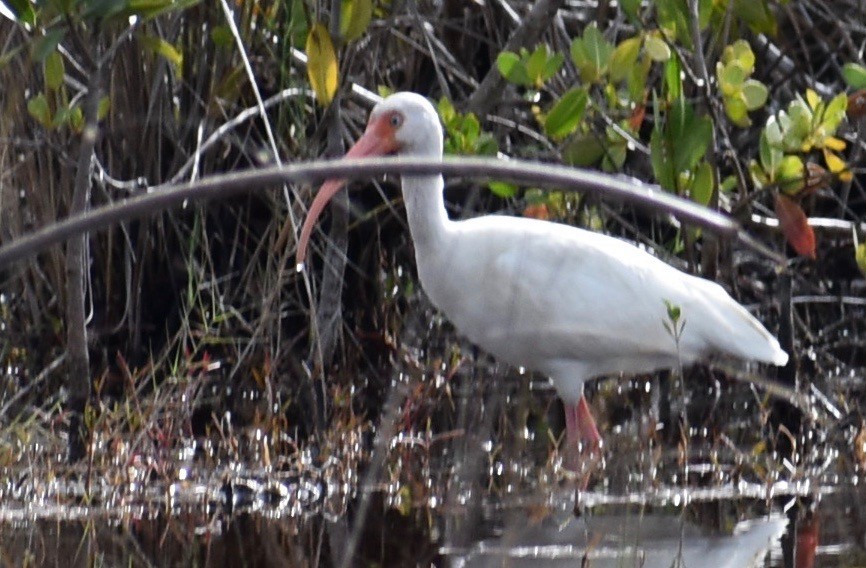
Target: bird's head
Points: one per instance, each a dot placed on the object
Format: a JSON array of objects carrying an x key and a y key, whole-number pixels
[{"x": 405, "y": 124}]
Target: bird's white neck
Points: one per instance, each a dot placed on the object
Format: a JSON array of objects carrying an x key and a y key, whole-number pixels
[{"x": 425, "y": 210}]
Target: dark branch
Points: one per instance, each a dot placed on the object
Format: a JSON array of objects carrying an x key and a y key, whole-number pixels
[{"x": 160, "y": 198}]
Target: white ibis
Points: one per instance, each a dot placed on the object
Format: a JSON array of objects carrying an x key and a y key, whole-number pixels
[{"x": 556, "y": 299}]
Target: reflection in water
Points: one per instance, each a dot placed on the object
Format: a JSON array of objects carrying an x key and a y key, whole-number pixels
[
  {"x": 607, "y": 540},
  {"x": 469, "y": 475}
]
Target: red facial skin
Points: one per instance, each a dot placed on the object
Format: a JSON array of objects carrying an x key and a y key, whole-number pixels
[{"x": 378, "y": 140}]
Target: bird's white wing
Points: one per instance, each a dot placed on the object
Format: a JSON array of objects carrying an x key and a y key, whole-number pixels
[
  {"x": 551, "y": 297},
  {"x": 553, "y": 292}
]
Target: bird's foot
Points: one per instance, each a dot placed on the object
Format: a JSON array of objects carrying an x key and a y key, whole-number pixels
[{"x": 582, "y": 461}]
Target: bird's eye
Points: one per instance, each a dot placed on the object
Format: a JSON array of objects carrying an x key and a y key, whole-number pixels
[{"x": 396, "y": 120}]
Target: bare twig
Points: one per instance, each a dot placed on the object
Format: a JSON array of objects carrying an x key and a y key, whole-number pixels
[
  {"x": 329, "y": 313},
  {"x": 493, "y": 84},
  {"x": 650, "y": 197},
  {"x": 78, "y": 360}
]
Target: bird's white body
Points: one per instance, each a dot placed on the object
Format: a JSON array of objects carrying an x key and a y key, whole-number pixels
[
  {"x": 556, "y": 299},
  {"x": 570, "y": 303}
]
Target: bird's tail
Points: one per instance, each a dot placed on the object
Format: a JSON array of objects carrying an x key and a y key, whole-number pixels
[{"x": 740, "y": 334}]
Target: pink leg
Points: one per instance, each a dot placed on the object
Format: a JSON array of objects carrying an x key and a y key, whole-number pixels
[
  {"x": 579, "y": 427},
  {"x": 586, "y": 423}
]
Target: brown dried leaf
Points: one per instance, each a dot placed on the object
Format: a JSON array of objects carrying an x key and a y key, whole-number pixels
[
  {"x": 795, "y": 225},
  {"x": 637, "y": 116},
  {"x": 860, "y": 445},
  {"x": 816, "y": 178},
  {"x": 856, "y": 104}
]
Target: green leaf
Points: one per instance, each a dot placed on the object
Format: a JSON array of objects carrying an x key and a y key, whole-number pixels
[
  {"x": 660, "y": 158},
  {"x": 705, "y": 13},
  {"x": 728, "y": 184},
  {"x": 446, "y": 110},
  {"x": 679, "y": 119},
  {"x": 624, "y": 58},
  {"x": 799, "y": 125},
  {"x": 584, "y": 150},
  {"x": 149, "y": 9},
  {"x": 614, "y": 156},
  {"x": 47, "y": 44},
  {"x": 673, "y": 80},
  {"x": 39, "y": 109},
  {"x": 768, "y": 152},
  {"x": 222, "y": 36},
  {"x": 773, "y": 131},
  {"x": 487, "y": 145},
  {"x": 513, "y": 69},
  {"x": 860, "y": 257},
  {"x": 502, "y": 189},
  {"x": 598, "y": 49},
  {"x": 76, "y": 118},
  {"x": 702, "y": 185},
  {"x": 321, "y": 64},
  {"x": 63, "y": 116},
  {"x": 791, "y": 174},
  {"x": 54, "y": 71},
  {"x": 755, "y": 94},
  {"x": 535, "y": 196},
  {"x": 297, "y": 23},
  {"x": 657, "y": 49},
  {"x": 103, "y": 108},
  {"x": 757, "y": 15},
  {"x": 631, "y": 9},
  {"x": 740, "y": 52},
  {"x": 732, "y": 76},
  {"x": 696, "y": 141},
  {"x": 64, "y": 7},
  {"x": 637, "y": 80},
  {"x": 834, "y": 113},
  {"x": 674, "y": 312},
  {"x": 673, "y": 17},
  {"x": 164, "y": 49},
  {"x": 552, "y": 66},
  {"x": 471, "y": 127},
  {"x": 566, "y": 114},
  {"x": 580, "y": 57},
  {"x": 23, "y": 10},
  {"x": 591, "y": 54},
  {"x": 764, "y": 151},
  {"x": 354, "y": 18},
  {"x": 759, "y": 177},
  {"x": 535, "y": 64},
  {"x": 103, "y": 9},
  {"x": 855, "y": 75},
  {"x": 735, "y": 108},
  {"x": 690, "y": 135}
]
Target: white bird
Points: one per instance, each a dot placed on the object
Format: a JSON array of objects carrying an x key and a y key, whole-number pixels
[{"x": 559, "y": 300}]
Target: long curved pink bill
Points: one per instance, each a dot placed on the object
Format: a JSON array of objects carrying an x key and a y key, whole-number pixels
[
  {"x": 328, "y": 190},
  {"x": 378, "y": 140}
]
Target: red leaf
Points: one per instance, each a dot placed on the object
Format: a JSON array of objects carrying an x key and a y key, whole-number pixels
[
  {"x": 795, "y": 226},
  {"x": 537, "y": 212},
  {"x": 637, "y": 116},
  {"x": 808, "y": 537}
]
